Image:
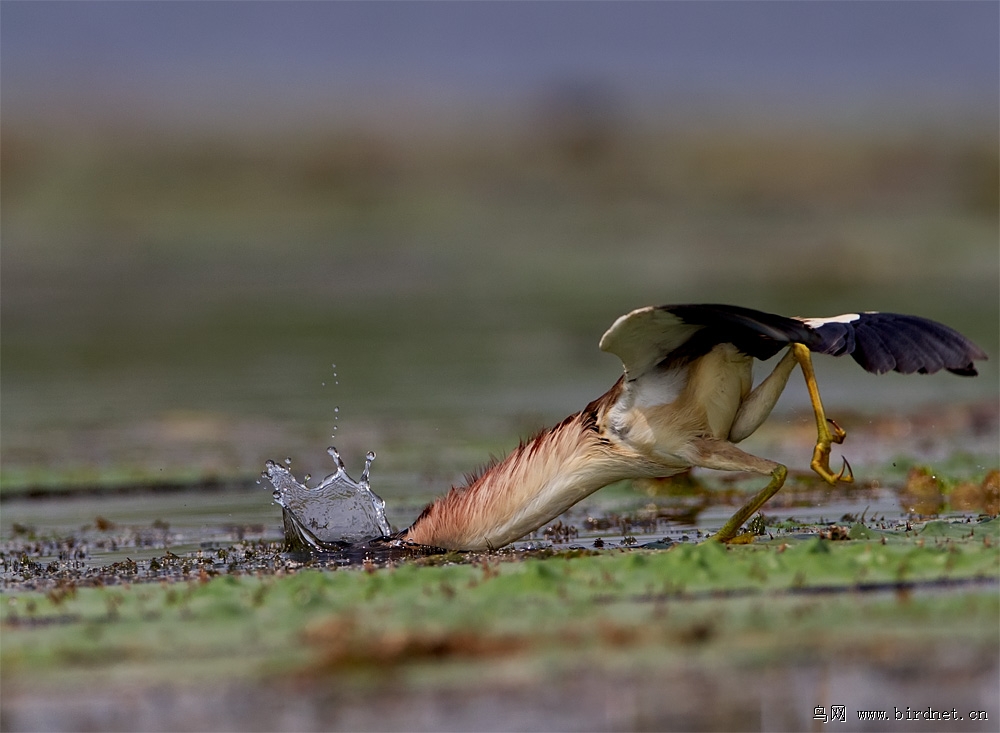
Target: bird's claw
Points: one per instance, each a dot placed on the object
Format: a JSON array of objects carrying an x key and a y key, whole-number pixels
[
  {"x": 838, "y": 434},
  {"x": 821, "y": 465},
  {"x": 849, "y": 478}
]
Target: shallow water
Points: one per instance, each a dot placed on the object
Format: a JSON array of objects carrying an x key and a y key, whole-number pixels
[
  {"x": 86, "y": 531},
  {"x": 84, "y": 534}
]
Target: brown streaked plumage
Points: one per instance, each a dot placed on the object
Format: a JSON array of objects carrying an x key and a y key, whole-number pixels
[{"x": 685, "y": 400}]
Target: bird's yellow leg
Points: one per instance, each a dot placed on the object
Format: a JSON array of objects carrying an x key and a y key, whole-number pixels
[
  {"x": 825, "y": 436},
  {"x": 730, "y": 528},
  {"x": 721, "y": 455}
]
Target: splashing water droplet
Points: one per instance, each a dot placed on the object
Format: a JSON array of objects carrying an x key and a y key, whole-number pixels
[
  {"x": 288, "y": 461},
  {"x": 338, "y": 510},
  {"x": 369, "y": 457},
  {"x": 336, "y": 458}
]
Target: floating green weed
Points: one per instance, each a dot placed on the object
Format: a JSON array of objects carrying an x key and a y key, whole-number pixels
[{"x": 574, "y": 603}]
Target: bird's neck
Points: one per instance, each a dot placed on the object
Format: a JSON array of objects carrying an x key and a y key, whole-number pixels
[{"x": 534, "y": 484}]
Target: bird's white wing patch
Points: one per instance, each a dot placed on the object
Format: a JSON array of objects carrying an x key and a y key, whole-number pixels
[
  {"x": 644, "y": 337},
  {"x": 817, "y": 322},
  {"x": 660, "y": 387}
]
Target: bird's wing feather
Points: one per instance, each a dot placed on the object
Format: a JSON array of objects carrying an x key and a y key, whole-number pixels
[
  {"x": 644, "y": 337},
  {"x": 649, "y": 336},
  {"x": 879, "y": 342},
  {"x": 884, "y": 342}
]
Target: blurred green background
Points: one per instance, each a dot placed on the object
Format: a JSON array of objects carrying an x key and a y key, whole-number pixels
[{"x": 205, "y": 206}]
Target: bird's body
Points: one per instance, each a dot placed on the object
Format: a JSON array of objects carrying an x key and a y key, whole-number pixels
[{"x": 686, "y": 399}]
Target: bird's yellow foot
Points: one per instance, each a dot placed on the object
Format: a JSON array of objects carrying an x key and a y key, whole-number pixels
[
  {"x": 828, "y": 431},
  {"x": 821, "y": 459}
]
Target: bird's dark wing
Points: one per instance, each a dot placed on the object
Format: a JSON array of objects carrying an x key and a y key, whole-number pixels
[
  {"x": 879, "y": 342},
  {"x": 884, "y": 342},
  {"x": 649, "y": 336}
]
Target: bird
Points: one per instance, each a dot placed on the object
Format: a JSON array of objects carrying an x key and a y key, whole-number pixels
[{"x": 686, "y": 400}]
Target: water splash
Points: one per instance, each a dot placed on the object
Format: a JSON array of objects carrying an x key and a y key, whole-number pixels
[{"x": 339, "y": 511}]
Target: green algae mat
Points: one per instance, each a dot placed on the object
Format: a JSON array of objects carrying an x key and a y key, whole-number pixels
[{"x": 326, "y": 643}]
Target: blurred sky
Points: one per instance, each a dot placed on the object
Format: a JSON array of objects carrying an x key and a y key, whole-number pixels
[{"x": 288, "y": 63}]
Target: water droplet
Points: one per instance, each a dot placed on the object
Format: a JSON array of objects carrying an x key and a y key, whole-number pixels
[
  {"x": 336, "y": 409},
  {"x": 288, "y": 461},
  {"x": 334, "y": 366},
  {"x": 307, "y": 477},
  {"x": 369, "y": 457},
  {"x": 323, "y": 383},
  {"x": 336, "y": 457}
]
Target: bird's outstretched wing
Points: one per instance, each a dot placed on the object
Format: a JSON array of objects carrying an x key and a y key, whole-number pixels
[
  {"x": 885, "y": 342},
  {"x": 879, "y": 342},
  {"x": 656, "y": 335}
]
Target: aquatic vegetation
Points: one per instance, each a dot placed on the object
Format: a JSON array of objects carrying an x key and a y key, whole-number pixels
[
  {"x": 926, "y": 493},
  {"x": 894, "y": 592}
]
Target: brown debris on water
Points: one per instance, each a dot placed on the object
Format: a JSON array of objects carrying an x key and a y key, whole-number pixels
[
  {"x": 104, "y": 525},
  {"x": 991, "y": 493},
  {"x": 984, "y": 497},
  {"x": 341, "y": 643},
  {"x": 922, "y": 493},
  {"x": 835, "y": 532},
  {"x": 966, "y": 497},
  {"x": 559, "y": 533}
]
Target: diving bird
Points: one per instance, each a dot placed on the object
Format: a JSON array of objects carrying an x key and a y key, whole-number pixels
[{"x": 686, "y": 400}]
